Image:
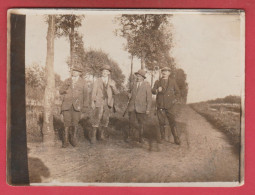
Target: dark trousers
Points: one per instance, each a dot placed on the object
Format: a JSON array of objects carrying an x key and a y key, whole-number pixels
[
  {"x": 166, "y": 113},
  {"x": 140, "y": 118},
  {"x": 71, "y": 117}
]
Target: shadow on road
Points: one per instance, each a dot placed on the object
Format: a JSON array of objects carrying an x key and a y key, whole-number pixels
[{"x": 37, "y": 170}]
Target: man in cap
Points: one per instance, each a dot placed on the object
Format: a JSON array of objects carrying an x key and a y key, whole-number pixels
[
  {"x": 167, "y": 93},
  {"x": 102, "y": 103},
  {"x": 139, "y": 104},
  {"x": 75, "y": 101}
]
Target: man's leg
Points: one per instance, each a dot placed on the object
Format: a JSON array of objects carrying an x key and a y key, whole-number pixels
[
  {"x": 171, "y": 119},
  {"x": 162, "y": 123},
  {"x": 67, "y": 123},
  {"x": 104, "y": 122},
  {"x": 96, "y": 122},
  {"x": 76, "y": 118},
  {"x": 141, "y": 120},
  {"x": 129, "y": 133}
]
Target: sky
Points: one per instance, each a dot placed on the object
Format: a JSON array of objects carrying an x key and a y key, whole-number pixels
[{"x": 207, "y": 47}]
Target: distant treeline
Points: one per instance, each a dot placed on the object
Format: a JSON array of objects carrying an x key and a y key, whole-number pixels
[{"x": 231, "y": 99}]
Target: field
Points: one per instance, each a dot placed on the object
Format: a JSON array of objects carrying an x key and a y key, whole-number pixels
[{"x": 223, "y": 116}]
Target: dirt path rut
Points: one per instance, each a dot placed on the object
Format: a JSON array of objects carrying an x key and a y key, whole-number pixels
[{"x": 204, "y": 155}]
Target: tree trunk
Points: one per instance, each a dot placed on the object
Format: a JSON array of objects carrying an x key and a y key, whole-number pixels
[
  {"x": 131, "y": 73},
  {"x": 71, "y": 38},
  {"x": 49, "y": 94},
  {"x": 143, "y": 60}
]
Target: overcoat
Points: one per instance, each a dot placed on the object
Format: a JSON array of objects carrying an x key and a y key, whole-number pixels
[
  {"x": 75, "y": 95},
  {"x": 167, "y": 98},
  {"x": 141, "y": 98}
]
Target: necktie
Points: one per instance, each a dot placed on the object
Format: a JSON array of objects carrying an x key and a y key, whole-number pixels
[{"x": 138, "y": 84}]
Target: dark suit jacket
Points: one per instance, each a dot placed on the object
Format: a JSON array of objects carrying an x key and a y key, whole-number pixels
[
  {"x": 76, "y": 95},
  {"x": 141, "y": 98},
  {"x": 168, "y": 96}
]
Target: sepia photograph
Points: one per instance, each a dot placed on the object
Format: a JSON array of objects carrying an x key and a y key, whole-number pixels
[{"x": 126, "y": 97}]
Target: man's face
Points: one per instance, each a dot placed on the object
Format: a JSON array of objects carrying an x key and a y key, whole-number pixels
[
  {"x": 75, "y": 73},
  {"x": 139, "y": 78},
  {"x": 165, "y": 73},
  {"x": 105, "y": 73}
]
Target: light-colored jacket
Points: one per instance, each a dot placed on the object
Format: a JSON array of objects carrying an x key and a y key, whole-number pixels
[
  {"x": 141, "y": 98},
  {"x": 98, "y": 92}
]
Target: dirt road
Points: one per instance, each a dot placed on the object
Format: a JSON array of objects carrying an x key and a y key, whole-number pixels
[{"x": 204, "y": 155}]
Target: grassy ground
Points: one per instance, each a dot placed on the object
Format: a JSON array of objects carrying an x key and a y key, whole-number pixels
[{"x": 225, "y": 117}]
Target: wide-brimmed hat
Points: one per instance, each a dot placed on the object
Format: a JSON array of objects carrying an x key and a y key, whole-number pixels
[
  {"x": 76, "y": 68},
  {"x": 141, "y": 72},
  {"x": 165, "y": 69},
  {"x": 106, "y": 67}
]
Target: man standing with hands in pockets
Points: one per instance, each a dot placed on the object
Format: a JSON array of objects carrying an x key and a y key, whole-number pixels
[
  {"x": 102, "y": 103},
  {"x": 139, "y": 105},
  {"x": 167, "y": 93}
]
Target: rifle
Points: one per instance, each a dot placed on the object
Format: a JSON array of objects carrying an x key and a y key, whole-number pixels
[
  {"x": 126, "y": 107},
  {"x": 156, "y": 68},
  {"x": 130, "y": 86}
]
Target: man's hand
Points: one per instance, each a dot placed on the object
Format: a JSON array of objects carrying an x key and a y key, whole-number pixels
[
  {"x": 83, "y": 115},
  {"x": 160, "y": 89},
  {"x": 111, "y": 84},
  {"x": 93, "y": 106},
  {"x": 147, "y": 112},
  {"x": 61, "y": 117}
]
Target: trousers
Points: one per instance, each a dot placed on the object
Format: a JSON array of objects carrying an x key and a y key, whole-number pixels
[
  {"x": 101, "y": 115},
  {"x": 166, "y": 113},
  {"x": 71, "y": 117}
]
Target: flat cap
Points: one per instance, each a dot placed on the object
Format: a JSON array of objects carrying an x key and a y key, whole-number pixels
[
  {"x": 106, "y": 67},
  {"x": 165, "y": 69}
]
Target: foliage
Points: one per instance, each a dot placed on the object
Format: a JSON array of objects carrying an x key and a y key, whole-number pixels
[
  {"x": 147, "y": 38},
  {"x": 232, "y": 99},
  {"x": 181, "y": 81},
  {"x": 65, "y": 23},
  {"x": 36, "y": 81},
  {"x": 93, "y": 62}
]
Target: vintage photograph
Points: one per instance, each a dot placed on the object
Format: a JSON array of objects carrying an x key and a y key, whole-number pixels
[{"x": 133, "y": 97}]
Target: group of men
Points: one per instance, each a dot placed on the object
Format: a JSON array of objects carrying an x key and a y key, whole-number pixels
[{"x": 78, "y": 99}]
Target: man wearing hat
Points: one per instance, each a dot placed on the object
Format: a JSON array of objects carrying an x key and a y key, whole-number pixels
[
  {"x": 102, "y": 103},
  {"x": 139, "y": 104},
  {"x": 167, "y": 93},
  {"x": 75, "y": 100}
]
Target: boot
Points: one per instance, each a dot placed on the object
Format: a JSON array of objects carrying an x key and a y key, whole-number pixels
[
  {"x": 74, "y": 136},
  {"x": 92, "y": 135},
  {"x": 101, "y": 132},
  {"x": 176, "y": 137},
  {"x": 128, "y": 135},
  {"x": 158, "y": 134},
  {"x": 65, "y": 137},
  {"x": 141, "y": 136},
  {"x": 162, "y": 132}
]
